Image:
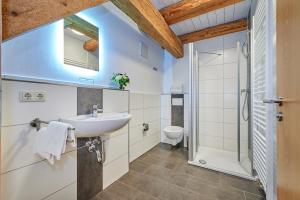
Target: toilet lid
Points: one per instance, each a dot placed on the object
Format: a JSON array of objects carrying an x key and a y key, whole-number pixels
[{"x": 173, "y": 129}]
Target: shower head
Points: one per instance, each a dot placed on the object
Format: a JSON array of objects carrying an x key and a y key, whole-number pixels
[{"x": 218, "y": 54}]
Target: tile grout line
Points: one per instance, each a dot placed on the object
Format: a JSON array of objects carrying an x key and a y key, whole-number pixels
[
  {"x": 35, "y": 163},
  {"x": 184, "y": 188}
]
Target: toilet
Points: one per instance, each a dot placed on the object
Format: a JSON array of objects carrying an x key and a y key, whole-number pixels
[{"x": 174, "y": 134}]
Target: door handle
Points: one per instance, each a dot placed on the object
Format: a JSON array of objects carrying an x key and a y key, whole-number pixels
[{"x": 278, "y": 101}]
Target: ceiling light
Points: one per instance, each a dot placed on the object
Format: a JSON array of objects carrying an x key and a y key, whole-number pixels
[{"x": 76, "y": 32}]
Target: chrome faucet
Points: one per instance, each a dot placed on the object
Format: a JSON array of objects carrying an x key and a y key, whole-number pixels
[{"x": 96, "y": 110}]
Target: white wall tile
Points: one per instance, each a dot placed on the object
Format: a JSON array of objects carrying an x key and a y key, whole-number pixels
[
  {"x": 136, "y": 150},
  {"x": 230, "y": 131},
  {"x": 115, "y": 100},
  {"x": 230, "y": 100},
  {"x": 211, "y": 86},
  {"x": 17, "y": 144},
  {"x": 211, "y": 72},
  {"x": 39, "y": 180},
  {"x": 230, "y": 115},
  {"x": 150, "y": 141},
  {"x": 137, "y": 117},
  {"x": 165, "y": 100},
  {"x": 154, "y": 127},
  {"x": 210, "y": 115},
  {"x": 136, "y": 101},
  {"x": 115, "y": 170},
  {"x": 151, "y": 101},
  {"x": 135, "y": 134},
  {"x": 121, "y": 131},
  {"x": 61, "y": 101},
  {"x": 218, "y": 88},
  {"x": 230, "y": 144},
  {"x": 230, "y": 86},
  {"x": 230, "y": 55},
  {"x": 115, "y": 147},
  {"x": 67, "y": 193},
  {"x": 211, "y": 129},
  {"x": 151, "y": 114},
  {"x": 165, "y": 112},
  {"x": 211, "y": 100},
  {"x": 230, "y": 138},
  {"x": 230, "y": 70},
  {"x": 210, "y": 141}
]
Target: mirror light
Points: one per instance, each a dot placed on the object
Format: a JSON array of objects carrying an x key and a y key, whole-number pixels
[{"x": 76, "y": 32}]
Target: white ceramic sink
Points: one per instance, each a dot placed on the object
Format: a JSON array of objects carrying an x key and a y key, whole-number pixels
[{"x": 88, "y": 126}]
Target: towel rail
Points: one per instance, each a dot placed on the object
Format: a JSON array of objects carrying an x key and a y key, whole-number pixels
[{"x": 36, "y": 123}]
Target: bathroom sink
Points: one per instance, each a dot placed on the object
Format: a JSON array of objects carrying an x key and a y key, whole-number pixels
[{"x": 88, "y": 126}]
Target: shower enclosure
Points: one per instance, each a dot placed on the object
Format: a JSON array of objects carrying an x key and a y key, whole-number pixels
[{"x": 220, "y": 110}]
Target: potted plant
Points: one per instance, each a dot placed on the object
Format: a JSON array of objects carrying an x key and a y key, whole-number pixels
[{"x": 122, "y": 80}]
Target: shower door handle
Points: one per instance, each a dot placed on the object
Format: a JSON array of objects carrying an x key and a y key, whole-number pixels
[{"x": 278, "y": 101}]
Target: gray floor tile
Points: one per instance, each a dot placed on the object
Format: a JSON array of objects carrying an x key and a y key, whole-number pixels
[
  {"x": 164, "y": 174},
  {"x": 241, "y": 184},
  {"x": 250, "y": 196},
  {"x": 172, "y": 192}
]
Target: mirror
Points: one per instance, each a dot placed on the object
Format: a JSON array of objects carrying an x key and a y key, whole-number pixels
[{"x": 81, "y": 43}]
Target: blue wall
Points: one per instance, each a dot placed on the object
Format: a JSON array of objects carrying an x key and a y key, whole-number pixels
[{"x": 39, "y": 53}]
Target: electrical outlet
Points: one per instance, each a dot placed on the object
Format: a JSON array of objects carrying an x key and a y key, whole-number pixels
[
  {"x": 32, "y": 96},
  {"x": 39, "y": 96},
  {"x": 25, "y": 96}
]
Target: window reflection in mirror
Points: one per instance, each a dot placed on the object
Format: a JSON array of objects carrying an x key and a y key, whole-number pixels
[{"x": 81, "y": 43}]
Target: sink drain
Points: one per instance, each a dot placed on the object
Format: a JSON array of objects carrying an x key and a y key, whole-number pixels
[{"x": 203, "y": 162}]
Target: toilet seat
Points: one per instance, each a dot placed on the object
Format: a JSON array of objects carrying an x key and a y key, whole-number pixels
[{"x": 174, "y": 134}]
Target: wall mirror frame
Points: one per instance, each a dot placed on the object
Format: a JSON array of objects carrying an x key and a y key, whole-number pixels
[{"x": 81, "y": 43}]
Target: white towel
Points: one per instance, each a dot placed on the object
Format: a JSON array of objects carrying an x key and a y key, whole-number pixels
[{"x": 51, "y": 141}]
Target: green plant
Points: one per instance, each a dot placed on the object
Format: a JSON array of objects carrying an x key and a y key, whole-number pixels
[{"x": 122, "y": 80}]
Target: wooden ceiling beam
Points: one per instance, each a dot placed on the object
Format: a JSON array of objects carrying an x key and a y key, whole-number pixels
[
  {"x": 150, "y": 21},
  {"x": 76, "y": 23},
  {"x": 187, "y": 9},
  {"x": 20, "y": 16},
  {"x": 215, "y": 31}
]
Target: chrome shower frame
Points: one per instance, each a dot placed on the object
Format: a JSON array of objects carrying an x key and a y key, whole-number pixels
[{"x": 194, "y": 100}]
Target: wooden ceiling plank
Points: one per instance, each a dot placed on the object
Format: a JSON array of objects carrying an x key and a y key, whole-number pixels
[
  {"x": 215, "y": 31},
  {"x": 187, "y": 9},
  {"x": 150, "y": 21},
  {"x": 76, "y": 23},
  {"x": 20, "y": 16}
]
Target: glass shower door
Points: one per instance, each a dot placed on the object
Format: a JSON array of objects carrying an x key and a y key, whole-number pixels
[
  {"x": 193, "y": 101},
  {"x": 243, "y": 112}
]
